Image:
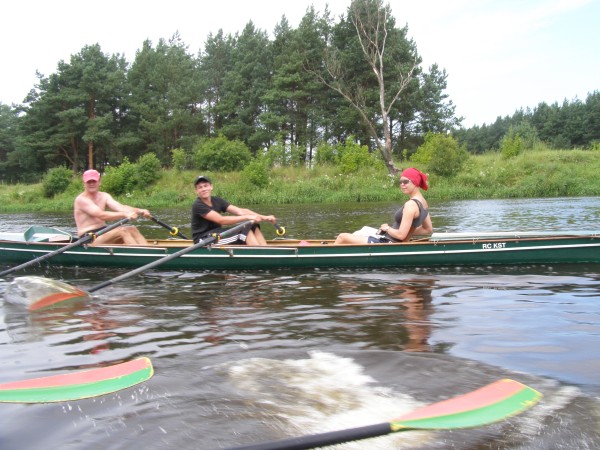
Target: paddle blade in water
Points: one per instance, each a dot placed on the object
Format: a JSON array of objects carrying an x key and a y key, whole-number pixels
[
  {"x": 78, "y": 385},
  {"x": 39, "y": 292},
  {"x": 489, "y": 404}
]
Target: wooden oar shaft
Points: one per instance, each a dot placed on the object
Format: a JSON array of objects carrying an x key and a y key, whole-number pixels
[
  {"x": 160, "y": 261},
  {"x": 84, "y": 239},
  {"x": 174, "y": 231}
]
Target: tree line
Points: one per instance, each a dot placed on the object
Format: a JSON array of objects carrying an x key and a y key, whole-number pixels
[
  {"x": 572, "y": 124},
  {"x": 305, "y": 86},
  {"x": 357, "y": 78}
]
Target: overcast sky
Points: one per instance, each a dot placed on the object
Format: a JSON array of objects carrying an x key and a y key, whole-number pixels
[{"x": 500, "y": 55}]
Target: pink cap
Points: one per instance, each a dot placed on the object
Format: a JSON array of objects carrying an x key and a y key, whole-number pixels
[{"x": 89, "y": 175}]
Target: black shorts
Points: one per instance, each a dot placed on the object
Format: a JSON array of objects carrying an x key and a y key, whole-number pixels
[
  {"x": 90, "y": 232},
  {"x": 381, "y": 239},
  {"x": 236, "y": 239}
]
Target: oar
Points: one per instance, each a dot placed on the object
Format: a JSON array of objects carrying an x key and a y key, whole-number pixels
[
  {"x": 173, "y": 231},
  {"x": 78, "y": 385},
  {"x": 70, "y": 292},
  {"x": 202, "y": 243},
  {"x": 489, "y": 404},
  {"x": 87, "y": 237}
]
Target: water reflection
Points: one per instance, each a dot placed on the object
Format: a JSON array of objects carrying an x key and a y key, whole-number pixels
[
  {"x": 231, "y": 350},
  {"x": 396, "y": 313}
]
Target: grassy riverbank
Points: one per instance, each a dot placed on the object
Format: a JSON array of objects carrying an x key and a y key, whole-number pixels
[{"x": 534, "y": 174}]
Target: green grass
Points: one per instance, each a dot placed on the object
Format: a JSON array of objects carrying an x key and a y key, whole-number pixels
[{"x": 533, "y": 174}]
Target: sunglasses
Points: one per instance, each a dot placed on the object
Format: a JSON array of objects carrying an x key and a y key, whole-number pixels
[{"x": 404, "y": 182}]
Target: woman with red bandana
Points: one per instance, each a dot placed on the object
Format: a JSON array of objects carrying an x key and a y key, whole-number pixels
[{"x": 412, "y": 218}]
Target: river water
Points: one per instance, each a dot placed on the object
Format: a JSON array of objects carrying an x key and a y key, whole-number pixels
[{"x": 251, "y": 356}]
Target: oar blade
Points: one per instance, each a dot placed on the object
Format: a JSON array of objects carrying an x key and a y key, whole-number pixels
[
  {"x": 39, "y": 292},
  {"x": 59, "y": 297},
  {"x": 492, "y": 403},
  {"x": 78, "y": 385}
]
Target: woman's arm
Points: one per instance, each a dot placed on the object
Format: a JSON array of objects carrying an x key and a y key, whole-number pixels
[
  {"x": 409, "y": 213},
  {"x": 426, "y": 227}
]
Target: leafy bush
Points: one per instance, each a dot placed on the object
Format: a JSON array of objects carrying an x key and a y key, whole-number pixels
[
  {"x": 125, "y": 178},
  {"x": 148, "y": 170},
  {"x": 442, "y": 154},
  {"x": 276, "y": 155},
  {"x": 517, "y": 139},
  {"x": 221, "y": 155},
  {"x": 56, "y": 181},
  {"x": 120, "y": 180},
  {"x": 283, "y": 154},
  {"x": 527, "y": 133},
  {"x": 511, "y": 146},
  {"x": 179, "y": 159},
  {"x": 257, "y": 173},
  {"x": 297, "y": 156},
  {"x": 354, "y": 156},
  {"x": 326, "y": 153}
]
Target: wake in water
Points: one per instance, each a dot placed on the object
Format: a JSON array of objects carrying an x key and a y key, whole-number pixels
[
  {"x": 323, "y": 393},
  {"x": 326, "y": 392}
]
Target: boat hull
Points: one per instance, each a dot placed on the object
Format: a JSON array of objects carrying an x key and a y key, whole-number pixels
[{"x": 321, "y": 254}]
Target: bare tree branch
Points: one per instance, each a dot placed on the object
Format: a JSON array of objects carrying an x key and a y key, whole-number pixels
[{"x": 370, "y": 20}]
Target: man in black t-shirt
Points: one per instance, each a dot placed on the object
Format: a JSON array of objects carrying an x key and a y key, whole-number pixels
[{"x": 208, "y": 218}]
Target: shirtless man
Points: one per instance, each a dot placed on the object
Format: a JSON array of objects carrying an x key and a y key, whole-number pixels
[{"x": 91, "y": 215}]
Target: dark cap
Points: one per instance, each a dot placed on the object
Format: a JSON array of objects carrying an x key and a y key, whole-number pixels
[{"x": 202, "y": 179}]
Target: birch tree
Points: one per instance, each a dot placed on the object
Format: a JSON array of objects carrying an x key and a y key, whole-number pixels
[{"x": 390, "y": 57}]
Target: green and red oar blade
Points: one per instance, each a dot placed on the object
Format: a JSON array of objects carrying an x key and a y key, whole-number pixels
[
  {"x": 489, "y": 404},
  {"x": 492, "y": 403},
  {"x": 78, "y": 385}
]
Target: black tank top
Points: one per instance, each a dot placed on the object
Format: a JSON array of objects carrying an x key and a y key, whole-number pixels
[{"x": 423, "y": 213}]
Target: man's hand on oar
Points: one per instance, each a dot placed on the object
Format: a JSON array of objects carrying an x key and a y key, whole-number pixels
[{"x": 492, "y": 403}]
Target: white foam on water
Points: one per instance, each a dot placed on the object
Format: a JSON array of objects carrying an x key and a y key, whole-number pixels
[
  {"x": 322, "y": 393},
  {"x": 550, "y": 405}
]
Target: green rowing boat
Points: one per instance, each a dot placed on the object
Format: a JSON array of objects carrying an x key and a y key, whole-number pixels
[{"x": 439, "y": 249}]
